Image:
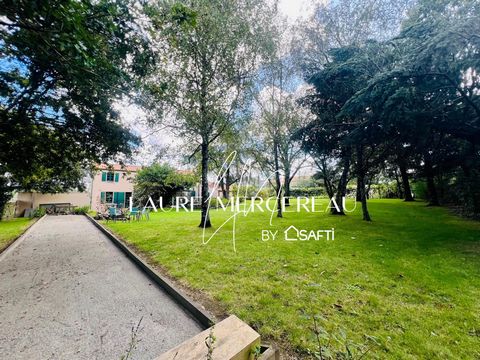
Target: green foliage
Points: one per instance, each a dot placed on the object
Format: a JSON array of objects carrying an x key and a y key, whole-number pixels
[
  {"x": 420, "y": 190},
  {"x": 39, "y": 212},
  {"x": 81, "y": 210},
  {"x": 383, "y": 190},
  {"x": 160, "y": 180},
  {"x": 308, "y": 191},
  {"x": 265, "y": 193},
  {"x": 244, "y": 191},
  {"x": 209, "y": 56},
  {"x": 64, "y": 62},
  {"x": 411, "y": 102}
]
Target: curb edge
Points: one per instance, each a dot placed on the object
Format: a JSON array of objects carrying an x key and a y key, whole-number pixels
[{"x": 202, "y": 317}]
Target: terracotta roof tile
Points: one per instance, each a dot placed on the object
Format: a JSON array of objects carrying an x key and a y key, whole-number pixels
[{"x": 118, "y": 167}]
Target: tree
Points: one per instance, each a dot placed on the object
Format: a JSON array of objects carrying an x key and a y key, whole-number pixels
[
  {"x": 210, "y": 51},
  {"x": 328, "y": 39},
  {"x": 428, "y": 101},
  {"x": 343, "y": 23},
  {"x": 273, "y": 143},
  {"x": 64, "y": 62},
  {"x": 160, "y": 181},
  {"x": 232, "y": 141}
]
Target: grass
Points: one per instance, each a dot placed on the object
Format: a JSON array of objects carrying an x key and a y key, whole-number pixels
[
  {"x": 407, "y": 284},
  {"x": 11, "y": 229}
]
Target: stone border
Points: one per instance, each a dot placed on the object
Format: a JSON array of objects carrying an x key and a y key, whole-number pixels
[
  {"x": 15, "y": 242},
  {"x": 193, "y": 308}
]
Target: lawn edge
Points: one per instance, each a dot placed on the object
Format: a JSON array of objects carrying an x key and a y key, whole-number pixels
[
  {"x": 202, "y": 316},
  {"x": 16, "y": 240}
]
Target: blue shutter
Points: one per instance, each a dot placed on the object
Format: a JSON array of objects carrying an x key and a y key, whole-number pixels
[
  {"x": 116, "y": 177},
  {"x": 102, "y": 197},
  {"x": 104, "y": 176},
  {"x": 121, "y": 199},
  {"x": 115, "y": 197}
]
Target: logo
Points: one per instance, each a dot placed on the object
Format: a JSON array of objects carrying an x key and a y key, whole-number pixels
[{"x": 292, "y": 233}]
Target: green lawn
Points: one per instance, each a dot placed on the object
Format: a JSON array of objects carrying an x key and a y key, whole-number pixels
[
  {"x": 410, "y": 279},
  {"x": 11, "y": 229}
]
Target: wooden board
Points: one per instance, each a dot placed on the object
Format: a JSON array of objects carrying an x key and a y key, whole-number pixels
[{"x": 234, "y": 340}]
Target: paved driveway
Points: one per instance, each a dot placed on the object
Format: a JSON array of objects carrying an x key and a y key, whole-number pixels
[{"x": 66, "y": 292}]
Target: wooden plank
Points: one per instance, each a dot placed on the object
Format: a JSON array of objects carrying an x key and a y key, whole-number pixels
[
  {"x": 234, "y": 340},
  {"x": 270, "y": 354}
]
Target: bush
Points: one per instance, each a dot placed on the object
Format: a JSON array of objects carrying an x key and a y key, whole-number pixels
[
  {"x": 265, "y": 193},
  {"x": 308, "y": 191},
  {"x": 384, "y": 191},
  {"x": 247, "y": 191},
  {"x": 161, "y": 180},
  {"x": 82, "y": 210},
  {"x": 39, "y": 212},
  {"x": 419, "y": 189}
]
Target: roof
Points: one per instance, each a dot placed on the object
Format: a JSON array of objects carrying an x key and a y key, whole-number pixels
[{"x": 119, "y": 167}]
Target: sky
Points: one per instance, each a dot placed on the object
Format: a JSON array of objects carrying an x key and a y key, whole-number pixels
[{"x": 296, "y": 9}]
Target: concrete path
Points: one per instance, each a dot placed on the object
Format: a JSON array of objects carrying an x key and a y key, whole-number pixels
[{"x": 66, "y": 292}]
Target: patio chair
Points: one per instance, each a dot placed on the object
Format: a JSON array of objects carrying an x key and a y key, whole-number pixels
[
  {"x": 135, "y": 213},
  {"x": 113, "y": 213}
]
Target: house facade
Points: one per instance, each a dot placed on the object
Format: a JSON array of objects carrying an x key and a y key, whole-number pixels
[
  {"x": 112, "y": 185},
  {"x": 22, "y": 201}
]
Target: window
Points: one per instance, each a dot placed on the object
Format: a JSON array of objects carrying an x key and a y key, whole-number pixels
[
  {"x": 128, "y": 195},
  {"x": 110, "y": 176},
  {"x": 109, "y": 197}
]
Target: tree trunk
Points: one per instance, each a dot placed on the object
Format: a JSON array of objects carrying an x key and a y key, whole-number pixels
[
  {"x": 5, "y": 194},
  {"x": 205, "y": 217},
  {"x": 287, "y": 186},
  {"x": 361, "y": 183},
  {"x": 277, "y": 179},
  {"x": 226, "y": 194},
  {"x": 399, "y": 186},
  {"x": 342, "y": 183},
  {"x": 407, "y": 191},
  {"x": 358, "y": 196},
  {"x": 328, "y": 187},
  {"x": 222, "y": 187},
  {"x": 327, "y": 183},
  {"x": 432, "y": 191},
  {"x": 431, "y": 188},
  {"x": 367, "y": 191}
]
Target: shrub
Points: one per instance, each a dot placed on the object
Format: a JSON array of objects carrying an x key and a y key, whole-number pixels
[
  {"x": 265, "y": 193},
  {"x": 419, "y": 189},
  {"x": 161, "y": 180},
  {"x": 39, "y": 212},
  {"x": 247, "y": 191},
  {"x": 82, "y": 210},
  {"x": 308, "y": 191}
]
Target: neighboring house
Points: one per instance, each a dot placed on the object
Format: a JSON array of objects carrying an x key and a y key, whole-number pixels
[
  {"x": 34, "y": 200},
  {"x": 112, "y": 185}
]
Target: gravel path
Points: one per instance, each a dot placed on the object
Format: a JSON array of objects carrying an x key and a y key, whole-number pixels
[{"x": 66, "y": 292}]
